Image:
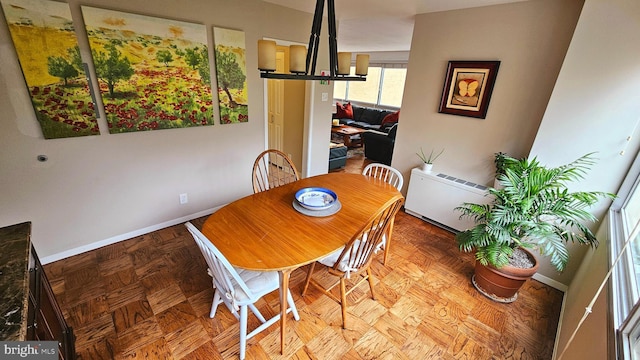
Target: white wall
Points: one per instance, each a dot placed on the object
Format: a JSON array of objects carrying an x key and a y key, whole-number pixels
[
  {"x": 529, "y": 38},
  {"x": 388, "y": 57},
  {"x": 594, "y": 105},
  {"x": 590, "y": 341},
  {"x": 98, "y": 188}
]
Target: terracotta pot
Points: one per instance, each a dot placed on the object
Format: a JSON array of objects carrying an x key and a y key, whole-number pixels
[{"x": 502, "y": 284}]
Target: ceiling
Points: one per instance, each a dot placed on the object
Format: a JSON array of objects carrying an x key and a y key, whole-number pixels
[{"x": 381, "y": 25}]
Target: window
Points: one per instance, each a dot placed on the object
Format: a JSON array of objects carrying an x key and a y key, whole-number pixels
[
  {"x": 392, "y": 88},
  {"x": 384, "y": 87},
  {"x": 365, "y": 91},
  {"x": 625, "y": 240}
]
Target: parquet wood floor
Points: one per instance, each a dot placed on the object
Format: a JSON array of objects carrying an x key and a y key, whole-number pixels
[{"x": 149, "y": 298}]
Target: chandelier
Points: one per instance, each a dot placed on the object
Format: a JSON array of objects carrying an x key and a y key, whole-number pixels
[{"x": 302, "y": 63}]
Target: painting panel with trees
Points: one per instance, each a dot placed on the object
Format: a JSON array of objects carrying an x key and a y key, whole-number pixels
[
  {"x": 153, "y": 73},
  {"x": 231, "y": 73},
  {"x": 47, "y": 48}
]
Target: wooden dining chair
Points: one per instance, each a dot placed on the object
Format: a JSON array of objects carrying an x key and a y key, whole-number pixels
[
  {"x": 239, "y": 289},
  {"x": 354, "y": 259},
  {"x": 271, "y": 169},
  {"x": 394, "y": 177},
  {"x": 385, "y": 172}
]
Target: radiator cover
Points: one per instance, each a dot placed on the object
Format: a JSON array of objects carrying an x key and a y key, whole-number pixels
[{"x": 433, "y": 196}]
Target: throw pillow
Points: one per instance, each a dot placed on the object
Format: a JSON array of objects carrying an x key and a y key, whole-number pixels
[
  {"x": 391, "y": 118},
  {"x": 344, "y": 111}
]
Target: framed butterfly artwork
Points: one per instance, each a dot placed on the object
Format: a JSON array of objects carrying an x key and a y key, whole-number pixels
[{"x": 467, "y": 88}]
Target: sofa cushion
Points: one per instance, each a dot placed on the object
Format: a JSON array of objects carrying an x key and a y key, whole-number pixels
[
  {"x": 391, "y": 118},
  {"x": 371, "y": 116},
  {"x": 344, "y": 111},
  {"x": 365, "y": 125},
  {"x": 357, "y": 112}
]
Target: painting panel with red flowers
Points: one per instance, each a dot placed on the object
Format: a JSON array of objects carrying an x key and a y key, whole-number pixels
[
  {"x": 153, "y": 73},
  {"x": 47, "y": 49}
]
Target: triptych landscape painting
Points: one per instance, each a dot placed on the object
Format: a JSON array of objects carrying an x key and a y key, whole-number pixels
[
  {"x": 48, "y": 52},
  {"x": 154, "y": 73},
  {"x": 231, "y": 73}
]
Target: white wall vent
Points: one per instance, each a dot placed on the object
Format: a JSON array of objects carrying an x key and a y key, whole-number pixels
[{"x": 433, "y": 197}]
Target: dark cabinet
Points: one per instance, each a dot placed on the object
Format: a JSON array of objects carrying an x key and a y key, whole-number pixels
[
  {"x": 47, "y": 323},
  {"x": 26, "y": 293}
]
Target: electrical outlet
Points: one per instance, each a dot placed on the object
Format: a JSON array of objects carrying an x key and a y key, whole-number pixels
[
  {"x": 184, "y": 199},
  {"x": 325, "y": 96}
]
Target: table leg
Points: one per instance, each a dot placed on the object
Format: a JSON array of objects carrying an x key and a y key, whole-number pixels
[
  {"x": 284, "y": 288},
  {"x": 347, "y": 140}
]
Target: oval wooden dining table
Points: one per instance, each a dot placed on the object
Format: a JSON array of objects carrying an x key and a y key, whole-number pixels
[{"x": 264, "y": 232}]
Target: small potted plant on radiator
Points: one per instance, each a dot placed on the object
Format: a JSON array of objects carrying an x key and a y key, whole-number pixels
[
  {"x": 427, "y": 161},
  {"x": 533, "y": 209}
]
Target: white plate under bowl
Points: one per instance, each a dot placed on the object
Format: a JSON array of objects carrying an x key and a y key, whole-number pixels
[
  {"x": 318, "y": 213},
  {"x": 316, "y": 198}
]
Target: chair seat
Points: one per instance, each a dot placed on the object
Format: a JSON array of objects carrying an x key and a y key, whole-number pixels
[
  {"x": 260, "y": 282},
  {"x": 331, "y": 259}
]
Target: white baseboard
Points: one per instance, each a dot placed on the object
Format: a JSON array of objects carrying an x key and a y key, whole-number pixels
[
  {"x": 127, "y": 236},
  {"x": 549, "y": 281},
  {"x": 559, "y": 328}
]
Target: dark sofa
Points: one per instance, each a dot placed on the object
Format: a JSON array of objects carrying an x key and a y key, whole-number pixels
[
  {"x": 378, "y": 146},
  {"x": 364, "y": 117}
]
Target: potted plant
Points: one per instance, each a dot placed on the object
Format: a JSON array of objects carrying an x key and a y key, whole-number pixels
[
  {"x": 427, "y": 161},
  {"x": 533, "y": 210}
]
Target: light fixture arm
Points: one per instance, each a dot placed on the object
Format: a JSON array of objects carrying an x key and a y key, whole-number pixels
[
  {"x": 333, "y": 42},
  {"x": 312, "y": 52},
  {"x": 314, "y": 39}
]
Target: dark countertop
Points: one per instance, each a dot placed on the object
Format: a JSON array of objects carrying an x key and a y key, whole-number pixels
[{"x": 15, "y": 242}]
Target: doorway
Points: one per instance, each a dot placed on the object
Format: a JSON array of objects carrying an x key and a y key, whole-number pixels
[{"x": 285, "y": 111}]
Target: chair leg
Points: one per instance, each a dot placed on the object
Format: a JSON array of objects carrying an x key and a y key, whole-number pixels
[
  {"x": 292, "y": 306},
  {"x": 343, "y": 302},
  {"x": 243, "y": 331},
  {"x": 387, "y": 243},
  {"x": 370, "y": 278},
  {"x": 306, "y": 282},
  {"x": 257, "y": 313},
  {"x": 214, "y": 304}
]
